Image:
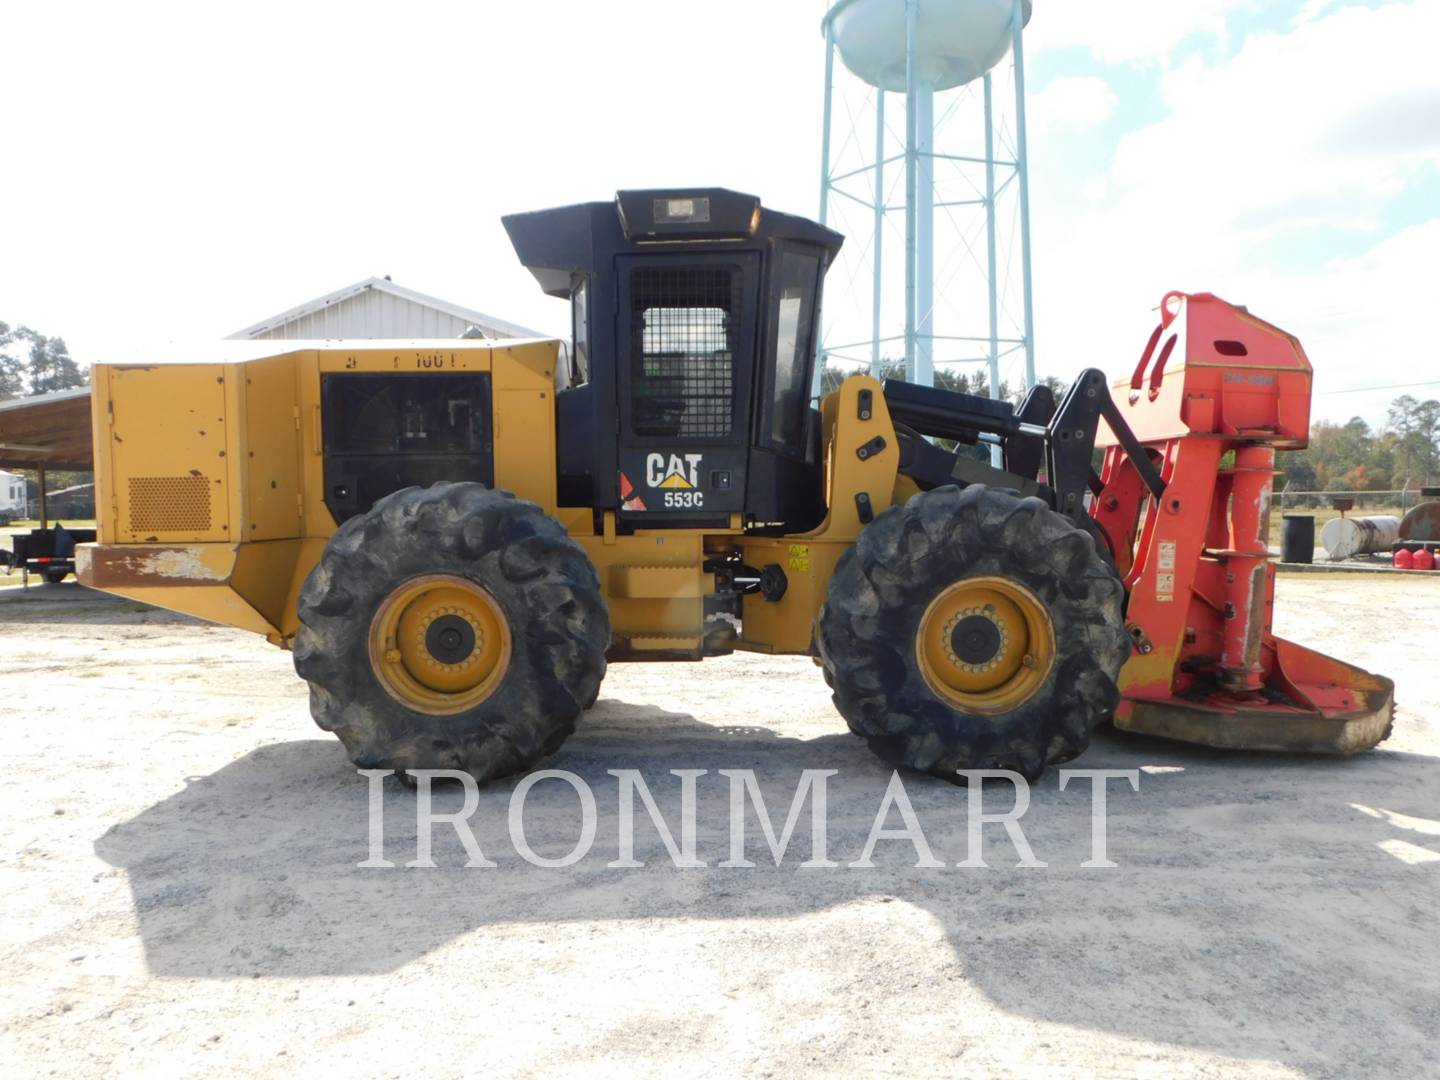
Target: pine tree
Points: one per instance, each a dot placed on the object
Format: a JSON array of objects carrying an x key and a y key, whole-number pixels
[
  {"x": 12, "y": 367},
  {"x": 51, "y": 365}
]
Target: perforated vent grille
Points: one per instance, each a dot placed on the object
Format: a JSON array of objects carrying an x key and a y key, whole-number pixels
[
  {"x": 685, "y": 321},
  {"x": 169, "y": 504}
]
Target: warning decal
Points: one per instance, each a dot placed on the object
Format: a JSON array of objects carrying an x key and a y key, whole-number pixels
[
  {"x": 1165, "y": 575},
  {"x": 629, "y": 500},
  {"x": 1167, "y": 555},
  {"x": 800, "y": 558}
]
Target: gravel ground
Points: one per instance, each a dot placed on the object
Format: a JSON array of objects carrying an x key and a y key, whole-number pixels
[{"x": 179, "y": 888}]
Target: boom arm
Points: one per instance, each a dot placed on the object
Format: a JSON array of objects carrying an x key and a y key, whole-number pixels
[{"x": 1065, "y": 438}]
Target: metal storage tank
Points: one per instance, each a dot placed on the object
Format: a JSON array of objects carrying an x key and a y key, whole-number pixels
[
  {"x": 957, "y": 41},
  {"x": 1344, "y": 537}
]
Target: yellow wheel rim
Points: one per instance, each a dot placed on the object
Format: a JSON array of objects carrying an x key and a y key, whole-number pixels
[
  {"x": 985, "y": 645},
  {"x": 440, "y": 644}
]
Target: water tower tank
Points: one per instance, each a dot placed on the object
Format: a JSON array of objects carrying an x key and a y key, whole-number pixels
[{"x": 958, "y": 40}]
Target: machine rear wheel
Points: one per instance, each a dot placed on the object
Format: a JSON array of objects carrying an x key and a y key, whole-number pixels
[
  {"x": 974, "y": 629},
  {"x": 451, "y": 627}
]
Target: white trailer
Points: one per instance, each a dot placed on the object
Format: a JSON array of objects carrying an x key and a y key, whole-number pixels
[{"x": 13, "y": 504}]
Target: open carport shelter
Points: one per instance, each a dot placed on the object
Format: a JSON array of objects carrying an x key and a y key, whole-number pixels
[{"x": 47, "y": 431}]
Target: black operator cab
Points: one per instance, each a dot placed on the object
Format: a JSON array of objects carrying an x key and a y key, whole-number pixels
[{"x": 695, "y": 315}]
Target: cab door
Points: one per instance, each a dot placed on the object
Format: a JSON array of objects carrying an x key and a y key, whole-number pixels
[{"x": 686, "y": 339}]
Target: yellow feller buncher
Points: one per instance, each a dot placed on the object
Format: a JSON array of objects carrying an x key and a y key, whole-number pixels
[{"x": 454, "y": 537}]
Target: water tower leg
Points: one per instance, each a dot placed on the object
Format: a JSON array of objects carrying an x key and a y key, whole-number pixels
[
  {"x": 912, "y": 95},
  {"x": 997, "y": 456},
  {"x": 875, "y": 247},
  {"x": 925, "y": 237},
  {"x": 1022, "y": 169},
  {"x": 825, "y": 129},
  {"x": 817, "y": 381}
]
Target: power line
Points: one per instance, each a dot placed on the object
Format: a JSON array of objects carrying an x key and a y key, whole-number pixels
[{"x": 1367, "y": 389}]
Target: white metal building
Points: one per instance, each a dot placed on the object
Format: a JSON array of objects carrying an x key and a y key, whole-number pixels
[{"x": 378, "y": 308}]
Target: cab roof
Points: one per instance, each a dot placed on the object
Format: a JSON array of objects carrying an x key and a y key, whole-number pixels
[{"x": 557, "y": 244}]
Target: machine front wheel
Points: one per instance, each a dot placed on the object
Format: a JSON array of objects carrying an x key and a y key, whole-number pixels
[
  {"x": 451, "y": 627},
  {"x": 974, "y": 629}
]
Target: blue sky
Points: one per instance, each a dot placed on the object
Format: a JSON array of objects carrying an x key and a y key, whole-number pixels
[
  {"x": 1137, "y": 81},
  {"x": 1284, "y": 155},
  {"x": 177, "y": 171}
]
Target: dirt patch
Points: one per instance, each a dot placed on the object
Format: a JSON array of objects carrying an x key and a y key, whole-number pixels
[{"x": 179, "y": 887}]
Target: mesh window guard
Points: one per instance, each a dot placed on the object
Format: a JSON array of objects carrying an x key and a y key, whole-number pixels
[{"x": 684, "y": 321}]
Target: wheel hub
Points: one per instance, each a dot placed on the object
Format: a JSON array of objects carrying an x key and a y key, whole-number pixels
[
  {"x": 440, "y": 644},
  {"x": 976, "y": 639},
  {"x": 985, "y": 645},
  {"x": 450, "y": 639}
]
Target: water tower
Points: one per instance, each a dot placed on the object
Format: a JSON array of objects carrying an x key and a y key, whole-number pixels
[{"x": 962, "y": 159}]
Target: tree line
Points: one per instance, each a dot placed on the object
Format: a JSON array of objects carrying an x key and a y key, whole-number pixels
[
  {"x": 1355, "y": 457},
  {"x": 32, "y": 363},
  {"x": 947, "y": 377}
]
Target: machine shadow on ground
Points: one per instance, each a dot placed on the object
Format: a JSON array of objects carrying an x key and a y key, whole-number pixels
[
  {"x": 1238, "y": 878},
  {"x": 68, "y": 603}
]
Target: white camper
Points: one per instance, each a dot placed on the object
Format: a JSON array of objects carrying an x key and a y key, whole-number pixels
[{"x": 13, "y": 505}]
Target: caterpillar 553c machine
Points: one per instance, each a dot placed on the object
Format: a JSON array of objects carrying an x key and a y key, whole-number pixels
[{"x": 455, "y": 536}]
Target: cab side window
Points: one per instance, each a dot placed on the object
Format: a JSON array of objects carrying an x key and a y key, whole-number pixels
[
  {"x": 580, "y": 334},
  {"x": 794, "y": 344}
]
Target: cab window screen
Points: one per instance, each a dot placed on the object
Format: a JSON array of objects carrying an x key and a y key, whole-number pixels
[
  {"x": 684, "y": 323},
  {"x": 791, "y": 399}
]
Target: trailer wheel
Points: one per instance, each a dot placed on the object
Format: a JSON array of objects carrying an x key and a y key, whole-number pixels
[
  {"x": 974, "y": 629},
  {"x": 55, "y": 577},
  {"x": 451, "y": 627}
]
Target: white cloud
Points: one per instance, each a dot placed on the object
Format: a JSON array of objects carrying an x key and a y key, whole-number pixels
[
  {"x": 1127, "y": 31},
  {"x": 1072, "y": 103},
  {"x": 1301, "y": 139},
  {"x": 1332, "y": 110},
  {"x": 1359, "y": 319}
]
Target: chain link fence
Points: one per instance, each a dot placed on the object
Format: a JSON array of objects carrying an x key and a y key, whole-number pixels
[{"x": 1394, "y": 501}]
